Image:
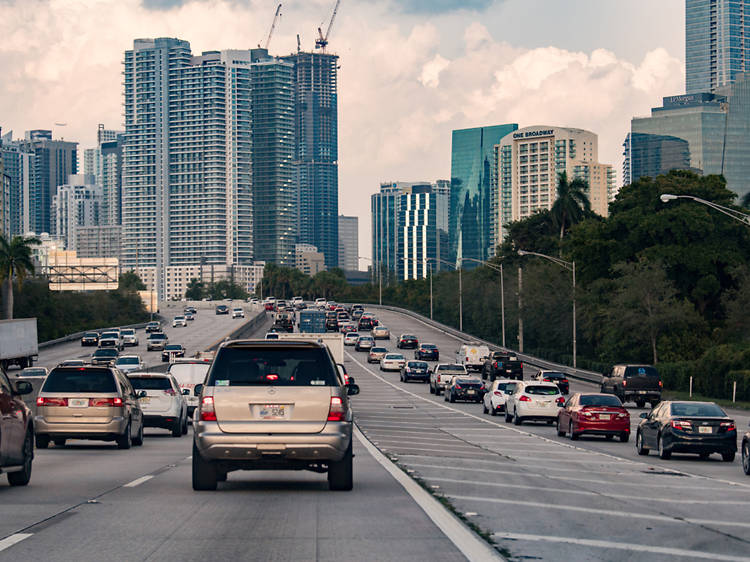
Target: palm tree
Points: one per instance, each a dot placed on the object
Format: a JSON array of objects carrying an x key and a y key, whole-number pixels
[
  {"x": 571, "y": 204},
  {"x": 15, "y": 262},
  {"x": 745, "y": 201}
]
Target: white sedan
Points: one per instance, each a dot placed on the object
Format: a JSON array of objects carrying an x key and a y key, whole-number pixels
[
  {"x": 392, "y": 362},
  {"x": 351, "y": 338},
  {"x": 129, "y": 363},
  {"x": 532, "y": 400},
  {"x": 496, "y": 396}
]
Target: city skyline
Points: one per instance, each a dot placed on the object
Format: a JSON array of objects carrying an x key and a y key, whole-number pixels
[{"x": 418, "y": 73}]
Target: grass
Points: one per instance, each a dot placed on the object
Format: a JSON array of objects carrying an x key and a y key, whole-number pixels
[{"x": 684, "y": 395}]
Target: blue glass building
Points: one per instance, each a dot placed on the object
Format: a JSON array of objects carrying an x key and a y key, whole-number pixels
[{"x": 472, "y": 158}]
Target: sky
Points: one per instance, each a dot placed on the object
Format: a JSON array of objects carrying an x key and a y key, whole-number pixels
[{"x": 411, "y": 70}]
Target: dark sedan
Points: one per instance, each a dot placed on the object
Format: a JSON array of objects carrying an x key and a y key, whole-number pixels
[
  {"x": 427, "y": 352},
  {"x": 90, "y": 338},
  {"x": 465, "y": 389},
  {"x": 407, "y": 341},
  {"x": 687, "y": 427},
  {"x": 415, "y": 371},
  {"x": 560, "y": 379}
]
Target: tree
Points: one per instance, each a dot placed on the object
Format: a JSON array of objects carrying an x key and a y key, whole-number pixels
[
  {"x": 130, "y": 281},
  {"x": 195, "y": 290},
  {"x": 572, "y": 203},
  {"x": 15, "y": 263}
]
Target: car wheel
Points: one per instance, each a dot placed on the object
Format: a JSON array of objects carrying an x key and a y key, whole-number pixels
[
  {"x": 516, "y": 420},
  {"x": 493, "y": 410},
  {"x": 573, "y": 436},
  {"x": 663, "y": 454},
  {"x": 221, "y": 476},
  {"x": 177, "y": 428},
  {"x": 507, "y": 416},
  {"x": 728, "y": 456},
  {"x": 746, "y": 458},
  {"x": 624, "y": 437},
  {"x": 22, "y": 477},
  {"x": 640, "y": 403},
  {"x": 654, "y": 403},
  {"x": 484, "y": 409},
  {"x": 560, "y": 433},
  {"x": 643, "y": 451},
  {"x": 703, "y": 456},
  {"x": 432, "y": 390},
  {"x": 205, "y": 475},
  {"x": 340, "y": 473},
  {"x": 138, "y": 440},
  {"x": 445, "y": 396},
  {"x": 452, "y": 399},
  {"x": 185, "y": 424},
  {"x": 125, "y": 440},
  {"x": 609, "y": 437},
  {"x": 59, "y": 442},
  {"x": 42, "y": 441}
]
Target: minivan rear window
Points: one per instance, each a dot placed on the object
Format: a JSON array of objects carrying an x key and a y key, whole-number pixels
[
  {"x": 79, "y": 380},
  {"x": 272, "y": 366}
]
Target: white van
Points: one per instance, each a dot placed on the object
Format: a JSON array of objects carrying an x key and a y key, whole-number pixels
[{"x": 471, "y": 355}]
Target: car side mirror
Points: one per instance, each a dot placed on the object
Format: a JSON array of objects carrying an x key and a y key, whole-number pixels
[
  {"x": 142, "y": 394},
  {"x": 352, "y": 389},
  {"x": 643, "y": 415},
  {"x": 186, "y": 392},
  {"x": 351, "y": 380},
  {"x": 23, "y": 387},
  {"x": 198, "y": 389}
]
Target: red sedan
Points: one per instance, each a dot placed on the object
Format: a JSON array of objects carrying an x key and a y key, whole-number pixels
[{"x": 595, "y": 414}]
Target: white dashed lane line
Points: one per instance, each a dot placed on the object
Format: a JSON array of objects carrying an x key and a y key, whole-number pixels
[
  {"x": 7, "y": 542},
  {"x": 137, "y": 481}
]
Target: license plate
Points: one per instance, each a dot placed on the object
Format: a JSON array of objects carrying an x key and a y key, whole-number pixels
[
  {"x": 472, "y": 391},
  {"x": 705, "y": 429},
  {"x": 604, "y": 416},
  {"x": 78, "y": 402},
  {"x": 643, "y": 392},
  {"x": 273, "y": 411},
  {"x": 145, "y": 400}
]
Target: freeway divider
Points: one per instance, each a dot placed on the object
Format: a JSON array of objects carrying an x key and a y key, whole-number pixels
[{"x": 581, "y": 374}]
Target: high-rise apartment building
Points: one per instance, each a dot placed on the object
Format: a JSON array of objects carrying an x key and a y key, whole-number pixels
[
  {"x": 4, "y": 202},
  {"x": 717, "y": 43},
  {"x": 316, "y": 150},
  {"x": 471, "y": 198},
  {"x": 75, "y": 204},
  {"x": 98, "y": 241},
  {"x": 348, "y": 243},
  {"x": 527, "y": 164},
  {"x": 19, "y": 165},
  {"x": 105, "y": 163}
]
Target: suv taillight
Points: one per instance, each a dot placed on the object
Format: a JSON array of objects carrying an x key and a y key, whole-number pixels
[
  {"x": 207, "y": 409},
  {"x": 336, "y": 412},
  {"x": 524, "y": 399}
]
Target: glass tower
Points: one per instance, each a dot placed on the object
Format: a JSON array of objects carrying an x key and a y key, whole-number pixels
[
  {"x": 472, "y": 158},
  {"x": 717, "y": 43}
]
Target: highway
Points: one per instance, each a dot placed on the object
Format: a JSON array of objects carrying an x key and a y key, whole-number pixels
[{"x": 541, "y": 496}]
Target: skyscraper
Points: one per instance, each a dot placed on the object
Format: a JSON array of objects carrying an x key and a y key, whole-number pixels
[
  {"x": 717, "y": 43},
  {"x": 76, "y": 204},
  {"x": 471, "y": 199},
  {"x": 19, "y": 166},
  {"x": 316, "y": 150},
  {"x": 105, "y": 163},
  {"x": 348, "y": 243}
]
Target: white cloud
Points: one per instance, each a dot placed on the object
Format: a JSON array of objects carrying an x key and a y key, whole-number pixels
[{"x": 401, "y": 91}]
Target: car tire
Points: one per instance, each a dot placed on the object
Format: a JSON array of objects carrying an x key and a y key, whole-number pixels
[
  {"x": 516, "y": 420},
  {"x": 704, "y": 456},
  {"x": 609, "y": 437},
  {"x": 560, "y": 433},
  {"x": 340, "y": 473},
  {"x": 42, "y": 441},
  {"x": 640, "y": 403},
  {"x": 508, "y": 417},
  {"x": 177, "y": 428},
  {"x": 138, "y": 439},
  {"x": 572, "y": 434},
  {"x": 654, "y": 403},
  {"x": 59, "y": 442},
  {"x": 22, "y": 477},
  {"x": 432, "y": 390},
  {"x": 663, "y": 454},
  {"x": 728, "y": 456},
  {"x": 185, "y": 424},
  {"x": 205, "y": 475},
  {"x": 485, "y": 411},
  {"x": 493, "y": 411},
  {"x": 221, "y": 476},
  {"x": 452, "y": 399},
  {"x": 125, "y": 440},
  {"x": 445, "y": 396},
  {"x": 624, "y": 437},
  {"x": 746, "y": 458},
  {"x": 643, "y": 451}
]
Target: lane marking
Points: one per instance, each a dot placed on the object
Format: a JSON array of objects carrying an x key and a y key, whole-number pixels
[
  {"x": 465, "y": 540},
  {"x": 607, "y": 512},
  {"x": 622, "y": 546},
  {"x": 408, "y": 448},
  {"x": 7, "y": 542},
  {"x": 137, "y": 481}
]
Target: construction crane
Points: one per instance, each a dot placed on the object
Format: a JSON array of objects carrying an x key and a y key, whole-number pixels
[
  {"x": 276, "y": 17},
  {"x": 322, "y": 41}
]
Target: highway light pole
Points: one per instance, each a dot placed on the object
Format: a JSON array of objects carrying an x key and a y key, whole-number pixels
[
  {"x": 570, "y": 266},
  {"x": 502, "y": 291},
  {"x": 736, "y": 215}
]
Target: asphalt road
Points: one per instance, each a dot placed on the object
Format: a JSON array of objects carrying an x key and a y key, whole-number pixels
[
  {"x": 91, "y": 501},
  {"x": 541, "y": 496}
]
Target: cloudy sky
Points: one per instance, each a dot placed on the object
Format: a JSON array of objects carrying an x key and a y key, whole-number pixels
[{"x": 411, "y": 70}]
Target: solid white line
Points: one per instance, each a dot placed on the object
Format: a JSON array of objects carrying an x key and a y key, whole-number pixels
[
  {"x": 7, "y": 542},
  {"x": 622, "y": 546},
  {"x": 456, "y": 451},
  {"x": 607, "y": 512},
  {"x": 137, "y": 481},
  {"x": 473, "y": 547}
]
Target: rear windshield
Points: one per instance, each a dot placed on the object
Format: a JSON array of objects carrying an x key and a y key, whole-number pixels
[
  {"x": 156, "y": 383},
  {"x": 157, "y": 337},
  {"x": 417, "y": 364},
  {"x": 189, "y": 373},
  {"x": 277, "y": 366},
  {"x": 468, "y": 381},
  {"x": 77, "y": 380},
  {"x": 111, "y": 352},
  {"x": 451, "y": 368},
  {"x": 697, "y": 409},
  {"x": 173, "y": 347},
  {"x": 553, "y": 376},
  {"x": 379, "y": 350},
  {"x": 428, "y": 346},
  {"x": 394, "y": 356},
  {"x": 506, "y": 386},
  {"x": 127, "y": 361},
  {"x": 600, "y": 400},
  {"x": 643, "y": 370},
  {"x": 544, "y": 390},
  {"x": 33, "y": 372}
]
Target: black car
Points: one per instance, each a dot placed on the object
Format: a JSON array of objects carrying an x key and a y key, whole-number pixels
[
  {"x": 427, "y": 352},
  {"x": 153, "y": 327},
  {"x": 465, "y": 389},
  {"x": 407, "y": 341},
  {"x": 332, "y": 322},
  {"x": 415, "y": 371},
  {"x": 222, "y": 309},
  {"x": 687, "y": 427},
  {"x": 90, "y": 338},
  {"x": 365, "y": 323},
  {"x": 105, "y": 356},
  {"x": 560, "y": 379}
]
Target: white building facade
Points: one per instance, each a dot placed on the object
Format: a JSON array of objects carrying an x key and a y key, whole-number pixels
[{"x": 76, "y": 204}]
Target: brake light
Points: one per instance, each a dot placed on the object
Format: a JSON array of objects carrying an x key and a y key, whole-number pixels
[
  {"x": 336, "y": 412},
  {"x": 51, "y": 401},
  {"x": 547, "y": 380},
  {"x": 498, "y": 393},
  {"x": 272, "y": 377},
  {"x": 661, "y": 384},
  {"x": 207, "y": 409},
  {"x": 560, "y": 401},
  {"x": 728, "y": 426},
  {"x": 494, "y": 365},
  {"x": 564, "y": 380},
  {"x": 458, "y": 386},
  {"x": 524, "y": 399},
  {"x": 105, "y": 402},
  {"x": 520, "y": 365},
  {"x": 682, "y": 425},
  {"x": 346, "y": 379},
  {"x": 624, "y": 383},
  {"x": 170, "y": 392}
]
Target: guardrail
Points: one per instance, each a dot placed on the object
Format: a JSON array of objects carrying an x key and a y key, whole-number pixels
[
  {"x": 581, "y": 374},
  {"x": 79, "y": 335}
]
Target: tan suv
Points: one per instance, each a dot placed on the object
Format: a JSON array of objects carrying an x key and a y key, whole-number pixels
[
  {"x": 89, "y": 402},
  {"x": 270, "y": 405}
]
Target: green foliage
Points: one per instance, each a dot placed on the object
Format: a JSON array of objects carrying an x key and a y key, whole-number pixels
[
  {"x": 129, "y": 281},
  {"x": 16, "y": 264},
  {"x": 195, "y": 290},
  {"x": 572, "y": 203}
]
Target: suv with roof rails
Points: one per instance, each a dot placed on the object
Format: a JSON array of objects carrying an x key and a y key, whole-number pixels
[{"x": 273, "y": 405}]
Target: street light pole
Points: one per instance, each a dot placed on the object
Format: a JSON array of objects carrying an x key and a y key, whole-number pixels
[
  {"x": 736, "y": 215},
  {"x": 460, "y": 301},
  {"x": 520, "y": 307},
  {"x": 428, "y": 263}
]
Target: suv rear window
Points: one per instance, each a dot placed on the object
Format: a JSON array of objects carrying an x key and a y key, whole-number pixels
[
  {"x": 643, "y": 370},
  {"x": 79, "y": 380},
  {"x": 106, "y": 352},
  {"x": 150, "y": 383},
  {"x": 277, "y": 366},
  {"x": 544, "y": 390},
  {"x": 158, "y": 336}
]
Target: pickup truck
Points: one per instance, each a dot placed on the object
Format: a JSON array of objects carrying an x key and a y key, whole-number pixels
[
  {"x": 501, "y": 364},
  {"x": 634, "y": 383}
]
